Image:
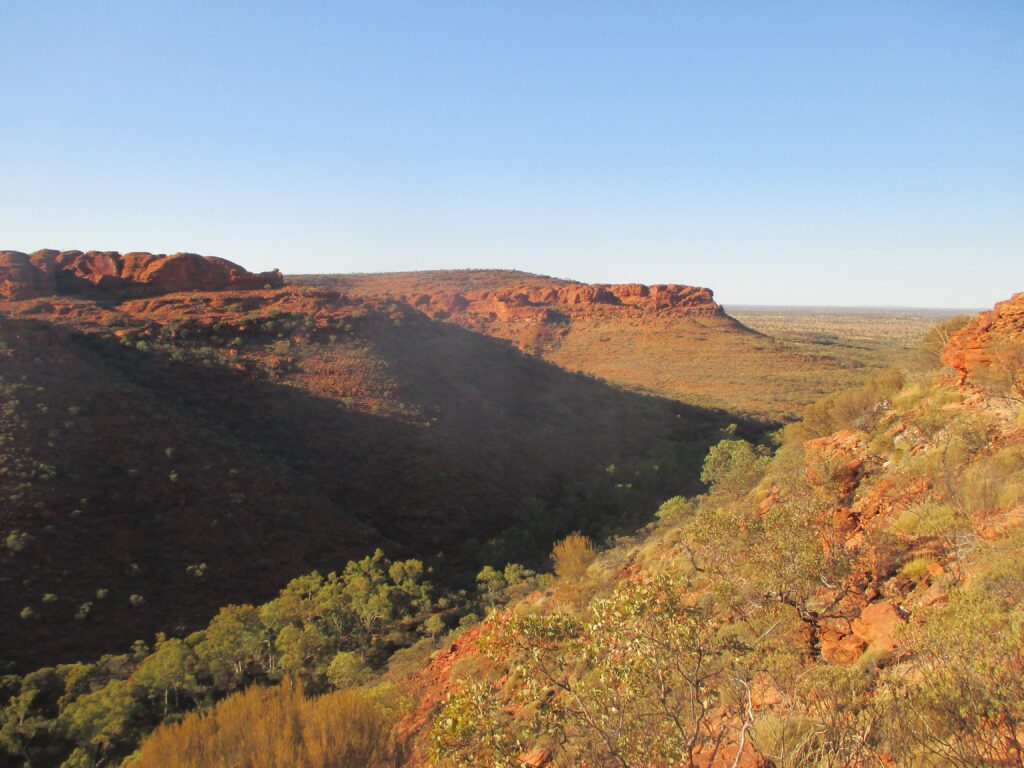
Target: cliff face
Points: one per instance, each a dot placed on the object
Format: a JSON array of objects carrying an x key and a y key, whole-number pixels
[
  {"x": 537, "y": 301},
  {"x": 25, "y": 277},
  {"x": 109, "y": 273},
  {"x": 993, "y": 337}
]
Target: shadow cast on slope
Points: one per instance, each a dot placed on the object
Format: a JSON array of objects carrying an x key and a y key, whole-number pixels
[{"x": 178, "y": 487}]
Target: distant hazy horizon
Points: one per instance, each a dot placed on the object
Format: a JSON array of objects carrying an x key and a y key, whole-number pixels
[{"x": 795, "y": 153}]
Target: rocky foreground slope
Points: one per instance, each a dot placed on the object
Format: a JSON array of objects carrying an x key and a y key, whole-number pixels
[
  {"x": 858, "y": 600},
  {"x": 989, "y": 346}
]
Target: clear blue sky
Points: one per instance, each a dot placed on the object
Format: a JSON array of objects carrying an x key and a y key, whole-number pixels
[{"x": 778, "y": 152}]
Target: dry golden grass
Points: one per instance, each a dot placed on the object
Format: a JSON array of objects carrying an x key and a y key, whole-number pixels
[
  {"x": 794, "y": 356},
  {"x": 275, "y": 728}
]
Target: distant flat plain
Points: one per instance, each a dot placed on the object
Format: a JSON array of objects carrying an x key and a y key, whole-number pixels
[
  {"x": 822, "y": 349},
  {"x": 874, "y": 336}
]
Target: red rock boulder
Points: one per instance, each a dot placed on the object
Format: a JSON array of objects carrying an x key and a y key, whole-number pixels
[{"x": 878, "y": 625}]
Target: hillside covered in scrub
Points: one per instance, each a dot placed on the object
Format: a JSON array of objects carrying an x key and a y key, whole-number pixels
[
  {"x": 851, "y": 596},
  {"x": 180, "y": 433},
  {"x": 167, "y": 454},
  {"x": 846, "y": 592}
]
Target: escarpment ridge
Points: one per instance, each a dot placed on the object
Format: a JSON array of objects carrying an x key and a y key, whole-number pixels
[
  {"x": 109, "y": 273},
  {"x": 668, "y": 339},
  {"x": 527, "y": 301},
  {"x": 507, "y": 295}
]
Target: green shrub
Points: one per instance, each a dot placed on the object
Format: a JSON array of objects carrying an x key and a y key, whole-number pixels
[
  {"x": 925, "y": 519},
  {"x": 916, "y": 569},
  {"x": 849, "y": 408},
  {"x": 733, "y": 465},
  {"x": 347, "y": 670}
]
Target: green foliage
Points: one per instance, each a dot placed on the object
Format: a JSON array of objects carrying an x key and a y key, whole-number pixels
[
  {"x": 169, "y": 675},
  {"x": 858, "y": 408},
  {"x": 347, "y": 670},
  {"x": 323, "y": 631},
  {"x": 916, "y": 569},
  {"x": 965, "y": 706},
  {"x": 16, "y": 541},
  {"x": 925, "y": 519},
  {"x": 495, "y": 587},
  {"x": 635, "y": 684},
  {"x": 491, "y": 585},
  {"x": 783, "y": 553},
  {"x": 676, "y": 509},
  {"x": 832, "y": 722},
  {"x": 471, "y": 731},
  {"x": 105, "y": 721},
  {"x": 434, "y": 627},
  {"x": 733, "y": 465},
  {"x": 232, "y": 646}
]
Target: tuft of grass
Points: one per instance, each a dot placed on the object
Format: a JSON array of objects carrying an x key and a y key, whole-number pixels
[
  {"x": 916, "y": 569},
  {"x": 925, "y": 519}
]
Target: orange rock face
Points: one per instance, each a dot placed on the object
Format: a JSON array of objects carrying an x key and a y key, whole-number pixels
[
  {"x": 841, "y": 649},
  {"x": 48, "y": 273},
  {"x": 25, "y": 277},
  {"x": 878, "y": 625},
  {"x": 527, "y": 301},
  {"x": 982, "y": 340}
]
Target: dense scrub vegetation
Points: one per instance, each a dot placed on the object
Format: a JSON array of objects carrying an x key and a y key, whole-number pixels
[
  {"x": 850, "y": 594},
  {"x": 320, "y": 632},
  {"x": 154, "y": 467}
]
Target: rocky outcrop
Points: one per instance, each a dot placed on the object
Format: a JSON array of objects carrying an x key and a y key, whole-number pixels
[
  {"x": 539, "y": 301},
  {"x": 25, "y": 277},
  {"x": 993, "y": 337},
  {"x": 109, "y": 273},
  {"x": 878, "y": 625}
]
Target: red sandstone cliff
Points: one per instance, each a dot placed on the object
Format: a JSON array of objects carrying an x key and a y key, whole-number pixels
[
  {"x": 530, "y": 300},
  {"x": 47, "y": 272}
]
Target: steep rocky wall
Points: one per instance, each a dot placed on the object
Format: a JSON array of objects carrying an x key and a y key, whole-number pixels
[
  {"x": 98, "y": 273},
  {"x": 531, "y": 301}
]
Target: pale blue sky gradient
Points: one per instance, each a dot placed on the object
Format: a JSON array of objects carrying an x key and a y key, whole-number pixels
[{"x": 781, "y": 152}]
